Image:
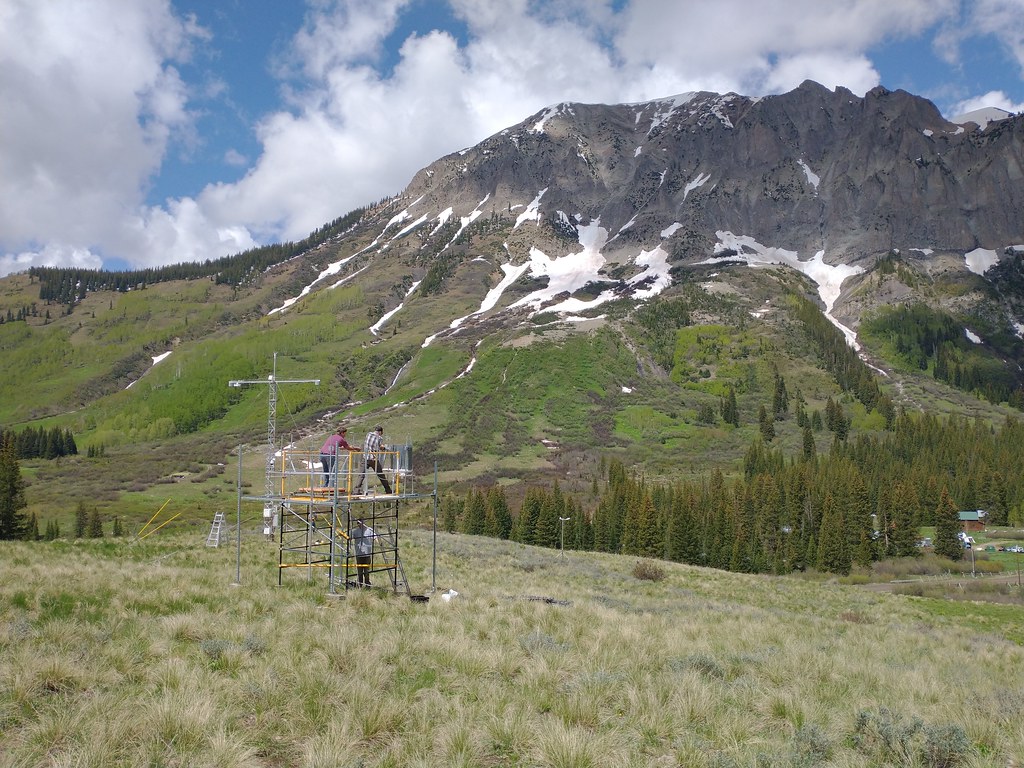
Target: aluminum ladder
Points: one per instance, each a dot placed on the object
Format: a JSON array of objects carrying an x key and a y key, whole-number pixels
[{"x": 213, "y": 540}]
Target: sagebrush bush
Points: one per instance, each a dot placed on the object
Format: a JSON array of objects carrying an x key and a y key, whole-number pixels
[{"x": 645, "y": 570}]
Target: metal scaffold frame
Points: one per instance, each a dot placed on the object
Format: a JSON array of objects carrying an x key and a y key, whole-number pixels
[
  {"x": 312, "y": 511},
  {"x": 313, "y": 514}
]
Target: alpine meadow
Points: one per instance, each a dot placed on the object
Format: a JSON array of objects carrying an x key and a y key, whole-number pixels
[{"x": 713, "y": 407}]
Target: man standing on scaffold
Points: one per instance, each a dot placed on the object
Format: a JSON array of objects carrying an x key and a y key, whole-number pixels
[{"x": 373, "y": 447}]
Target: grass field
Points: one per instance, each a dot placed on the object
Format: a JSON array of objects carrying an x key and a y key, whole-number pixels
[{"x": 114, "y": 653}]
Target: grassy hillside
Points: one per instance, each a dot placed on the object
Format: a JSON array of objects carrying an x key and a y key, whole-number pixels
[
  {"x": 544, "y": 398},
  {"x": 115, "y": 653}
]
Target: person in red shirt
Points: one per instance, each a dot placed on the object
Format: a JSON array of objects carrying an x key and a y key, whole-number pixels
[{"x": 330, "y": 449}]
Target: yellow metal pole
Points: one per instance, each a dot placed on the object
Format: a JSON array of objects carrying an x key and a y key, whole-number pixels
[
  {"x": 139, "y": 534},
  {"x": 165, "y": 522}
]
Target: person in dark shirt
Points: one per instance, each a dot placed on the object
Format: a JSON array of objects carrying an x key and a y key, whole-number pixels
[{"x": 362, "y": 540}]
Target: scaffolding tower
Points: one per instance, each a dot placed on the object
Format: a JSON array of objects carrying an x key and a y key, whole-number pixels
[{"x": 314, "y": 512}]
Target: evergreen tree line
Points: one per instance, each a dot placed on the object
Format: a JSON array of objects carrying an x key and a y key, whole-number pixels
[
  {"x": 840, "y": 359},
  {"x": 22, "y": 314},
  {"x": 88, "y": 525},
  {"x": 70, "y": 285},
  {"x": 16, "y": 525},
  {"x": 546, "y": 517},
  {"x": 39, "y": 443},
  {"x": 928, "y": 338},
  {"x": 864, "y": 501}
]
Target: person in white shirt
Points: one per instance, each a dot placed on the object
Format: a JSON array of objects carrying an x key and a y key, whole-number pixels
[{"x": 373, "y": 446}]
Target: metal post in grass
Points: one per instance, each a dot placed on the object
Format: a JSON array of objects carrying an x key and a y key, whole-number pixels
[
  {"x": 238, "y": 524},
  {"x": 563, "y": 521},
  {"x": 433, "y": 566}
]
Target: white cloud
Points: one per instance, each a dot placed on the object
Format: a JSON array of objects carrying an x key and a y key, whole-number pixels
[
  {"x": 756, "y": 48},
  {"x": 89, "y": 108},
  {"x": 1004, "y": 19},
  {"x": 235, "y": 158},
  {"x": 990, "y": 99}
]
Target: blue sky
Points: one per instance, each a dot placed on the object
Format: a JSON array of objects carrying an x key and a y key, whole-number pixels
[{"x": 159, "y": 131}]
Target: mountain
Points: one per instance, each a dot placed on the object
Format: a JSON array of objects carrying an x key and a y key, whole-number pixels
[{"x": 574, "y": 284}]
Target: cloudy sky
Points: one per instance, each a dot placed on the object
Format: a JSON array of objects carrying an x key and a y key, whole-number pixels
[{"x": 147, "y": 132}]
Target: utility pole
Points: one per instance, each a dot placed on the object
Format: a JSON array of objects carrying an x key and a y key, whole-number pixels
[{"x": 271, "y": 381}]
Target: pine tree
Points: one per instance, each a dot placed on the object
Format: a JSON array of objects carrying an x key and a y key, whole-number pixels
[
  {"x": 81, "y": 520},
  {"x": 13, "y": 522},
  {"x": 474, "y": 522},
  {"x": 682, "y": 535},
  {"x": 810, "y": 449},
  {"x": 780, "y": 399},
  {"x": 117, "y": 531},
  {"x": 451, "y": 513},
  {"x": 498, "y": 507},
  {"x": 947, "y": 528},
  {"x": 582, "y": 529},
  {"x": 832, "y": 555},
  {"x": 996, "y": 499},
  {"x": 523, "y": 531},
  {"x": 95, "y": 524},
  {"x": 903, "y": 533},
  {"x": 649, "y": 537},
  {"x": 766, "y": 424},
  {"x": 546, "y": 529},
  {"x": 729, "y": 409}
]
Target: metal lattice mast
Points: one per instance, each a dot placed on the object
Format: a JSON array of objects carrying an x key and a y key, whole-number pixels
[{"x": 271, "y": 381}]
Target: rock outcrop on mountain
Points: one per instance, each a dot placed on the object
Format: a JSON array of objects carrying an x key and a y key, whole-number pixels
[{"x": 810, "y": 170}]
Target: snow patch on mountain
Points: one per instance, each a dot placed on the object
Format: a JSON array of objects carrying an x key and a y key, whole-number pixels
[
  {"x": 829, "y": 277},
  {"x": 700, "y": 181},
  {"x": 570, "y": 273},
  {"x": 664, "y": 109},
  {"x": 980, "y": 260},
  {"x": 375, "y": 328},
  {"x": 409, "y": 228},
  {"x": 331, "y": 269},
  {"x": 549, "y": 113},
  {"x": 532, "y": 212},
  {"x": 442, "y": 219},
  {"x": 717, "y": 110},
  {"x": 465, "y": 221},
  {"x": 656, "y": 271},
  {"x": 812, "y": 178},
  {"x": 972, "y": 336},
  {"x": 156, "y": 360},
  {"x": 512, "y": 273}
]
